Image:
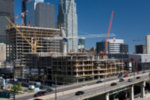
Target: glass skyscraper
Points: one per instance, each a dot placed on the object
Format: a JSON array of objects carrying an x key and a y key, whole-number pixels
[
  {"x": 39, "y": 14},
  {"x": 6, "y": 9},
  {"x": 30, "y": 6},
  {"x": 67, "y": 18},
  {"x": 45, "y": 15}
]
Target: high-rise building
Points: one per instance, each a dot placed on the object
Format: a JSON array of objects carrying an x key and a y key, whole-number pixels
[
  {"x": 140, "y": 49},
  {"x": 6, "y": 9},
  {"x": 67, "y": 18},
  {"x": 18, "y": 47},
  {"x": 81, "y": 43},
  {"x": 124, "y": 48},
  {"x": 39, "y": 13},
  {"x": 115, "y": 46},
  {"x": 148, "y": 44},
  {"x": 45, "y": 15},
  {"x": 30, "y": 6}
]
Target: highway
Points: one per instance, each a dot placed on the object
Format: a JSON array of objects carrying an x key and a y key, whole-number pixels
[
  {"x": 67, "y": 92},
  {"x": 95, "y": 89},
  {"x": 70, "y": 87}
]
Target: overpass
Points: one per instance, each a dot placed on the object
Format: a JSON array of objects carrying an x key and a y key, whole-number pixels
[{"x": 103, "y": 88}]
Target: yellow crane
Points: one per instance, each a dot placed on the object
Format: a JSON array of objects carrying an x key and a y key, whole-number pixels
[{"x": 33, "y": 45}]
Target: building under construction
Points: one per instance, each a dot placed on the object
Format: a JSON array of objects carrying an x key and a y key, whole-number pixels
[
  {"x": 23, "y": 40},
  {"x": 71, "y": 68}
]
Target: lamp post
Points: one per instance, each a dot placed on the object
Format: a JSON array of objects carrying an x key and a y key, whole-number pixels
[
  {"x": 55, "y": 87},
  {"x": 14, "y": 89}
]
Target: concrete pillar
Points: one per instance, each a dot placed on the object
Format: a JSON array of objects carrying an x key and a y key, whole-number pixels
[
  {"x": 143, "y": 89},
  {"x": 132, "y": 92},
  {"x": 107, "y": 96}
]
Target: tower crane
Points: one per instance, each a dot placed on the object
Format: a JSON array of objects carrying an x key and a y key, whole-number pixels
[
  {"x": 21, "y": 15},
  {"x": 34, "y": 44},
  {"x": 108, "y": 34},
  {"x": 65, "y": 38}
]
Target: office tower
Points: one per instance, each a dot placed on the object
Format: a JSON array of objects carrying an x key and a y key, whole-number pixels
[
  {"x": 24, "y": 9},
  {"x": 2, "y": 53},
  {"x": 140, "y": 49},
  {"x": 45, "y": 15},
  {"x": 67, "y": 18},
  {"x": 18, "y": 47},
  {"x": 115, "y": 46},
  {"x": 30, "y": 7},
  {"x": 81, "y": 44},
  {"x": 123, "y": 48},
  {"x": 148, "y": 44},
  {"x": 6, "y": 9},
  {"x": 39, "y": 13}
]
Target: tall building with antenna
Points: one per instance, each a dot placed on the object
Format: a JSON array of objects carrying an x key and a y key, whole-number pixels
[
  {"x": 67, "y": 18},
  {"x": 6, "y": 9}
]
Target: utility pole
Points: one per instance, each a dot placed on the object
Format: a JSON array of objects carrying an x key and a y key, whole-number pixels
[{"x": 55, "y": 87}]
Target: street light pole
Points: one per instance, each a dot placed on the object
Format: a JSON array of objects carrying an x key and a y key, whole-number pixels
[
  {"x": 14, "y": 91},
  {"x": 55, "y": 88}
]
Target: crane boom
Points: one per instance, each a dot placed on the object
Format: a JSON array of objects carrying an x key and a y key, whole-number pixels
[
  {"x": 110, "y": 24},
  {"x": 19, "y": 32}
]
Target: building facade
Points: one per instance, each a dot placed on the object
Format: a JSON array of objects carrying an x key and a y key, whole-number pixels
[
  {"x": 18, "y": 46},
  {"x": 67, "y": 18},
  {"x": 139, "y": 62},
  {"x": 39, "y": 14},
  {"x": 6, "y": 9},
  {"x": 124, "y": 48},
  {"x": 148, "y": 44},
  {"x": 30, "y": 7},
  {"x": 45, "y": 15},
  {"x": 115, "y": 46},
  {"x": 71, "y": 68},
  {"x": 140, "y": 49},
  {"x": 81, "y": 43}
]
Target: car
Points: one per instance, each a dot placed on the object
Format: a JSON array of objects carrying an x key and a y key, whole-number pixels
[
  {"x": 31, "y": 87},
  {"x": 121, "y": 80},
  {"x": 138, "y": 77},
  {"x": 113, "y": 84},
  {"x": 143, "y": 72},
  {"x": 120, "y": 75},
  {"x": 79, "y": 93},
  {"x": 40, "y": 93},
  {"x": 126, "y": 75},
  {"x": 49, "y": 90},
  {"x": 138, "y": 72},
  {"x": 44, "y": 87},
  {"x": 100, "y": 81},
  {"x": 84, "y": 85},
  {"x": 129, "y": 80}
]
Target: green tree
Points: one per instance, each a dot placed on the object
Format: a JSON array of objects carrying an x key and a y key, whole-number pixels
[{"x": 16, "y": 87}]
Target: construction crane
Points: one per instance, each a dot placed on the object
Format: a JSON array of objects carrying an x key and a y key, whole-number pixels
[
  {"x": 21, "y": 15},
  {"x": 65, "y": 38},
  {"x": 108, "y": 34},
  {"x": 138, "y": 40},
  {"x": 33, "y": 44}
]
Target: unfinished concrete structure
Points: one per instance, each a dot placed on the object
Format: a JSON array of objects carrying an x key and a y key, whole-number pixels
[
  {"x": 71, "y": 68},
  {"x": 18, "y": 45}
]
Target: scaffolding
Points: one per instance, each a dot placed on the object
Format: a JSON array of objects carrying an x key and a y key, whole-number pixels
[
  {"x": 73, "y": 67},
  {"x": 17, "y": 47}
]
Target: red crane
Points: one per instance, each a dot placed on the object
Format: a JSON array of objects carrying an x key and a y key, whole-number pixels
[{"x": 106, "y": 42}]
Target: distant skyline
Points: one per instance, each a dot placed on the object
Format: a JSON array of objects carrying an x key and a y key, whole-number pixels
[{"x": 131, "y": 19}]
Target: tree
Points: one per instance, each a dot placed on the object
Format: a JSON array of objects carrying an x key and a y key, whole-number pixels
[{"x": 17, "y": 87}]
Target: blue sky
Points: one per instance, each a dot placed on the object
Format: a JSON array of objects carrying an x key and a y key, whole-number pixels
[{"x": 131, "y": 19}]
